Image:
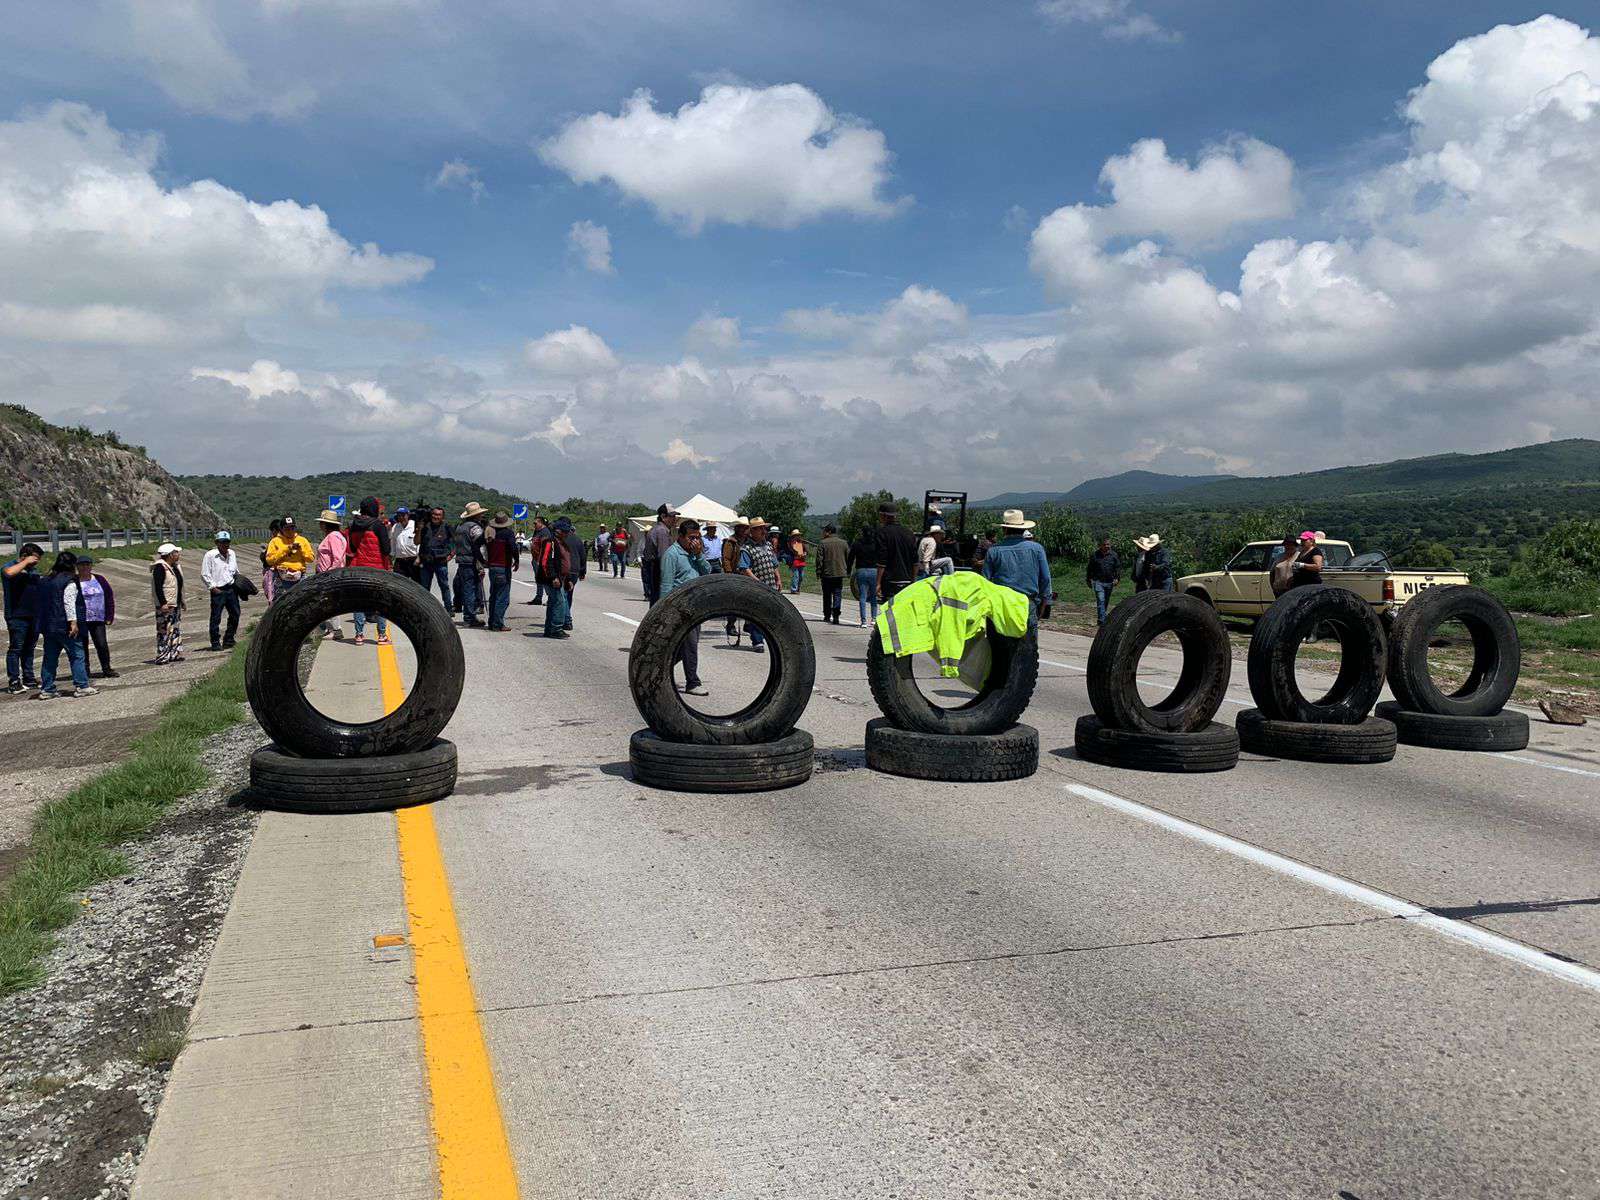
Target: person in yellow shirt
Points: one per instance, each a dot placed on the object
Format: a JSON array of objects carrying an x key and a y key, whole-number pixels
[{"x": 289, "y": 557}]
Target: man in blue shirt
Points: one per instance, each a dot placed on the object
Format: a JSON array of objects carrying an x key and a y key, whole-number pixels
[
  {"x": 21, "y": 580},
  {"x": 1019, "y": 563},
  {"x": 684, "y": 562}
]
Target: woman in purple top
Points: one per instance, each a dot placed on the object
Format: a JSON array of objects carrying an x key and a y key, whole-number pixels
[{"x": 91, "y": 598}]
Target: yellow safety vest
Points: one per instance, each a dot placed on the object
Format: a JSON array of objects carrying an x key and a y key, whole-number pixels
[{"x": 940, "y": 614}]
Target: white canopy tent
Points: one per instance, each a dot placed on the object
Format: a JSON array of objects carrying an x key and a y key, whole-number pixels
[{"x": 695, "y": 508}]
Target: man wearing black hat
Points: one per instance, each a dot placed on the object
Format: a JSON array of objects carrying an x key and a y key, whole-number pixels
[{"x": 219, "y": 570}]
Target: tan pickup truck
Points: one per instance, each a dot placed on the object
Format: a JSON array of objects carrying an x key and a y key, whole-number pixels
[{"x": 1243, "y": 588}]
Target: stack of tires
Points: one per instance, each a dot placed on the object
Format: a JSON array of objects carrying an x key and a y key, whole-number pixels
[
  {"x": 756, "y": 749},
  {"x": 1473, "y": 716},
  {"x": 322, "y": 765},
  {"x": 1337, "y": 727},
  {"x": 977, "y": 742},
  {"x": 1176, "y": 733}
]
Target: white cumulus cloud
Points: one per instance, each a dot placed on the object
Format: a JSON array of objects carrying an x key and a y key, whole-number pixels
[
  {"x": 913, "y": 319},
  {"x": 591, "y": 244},
  {"x": 711, "y": 334},
  {"x": 1115, "y": 18},
  {"x": 459, "y": 175},
  {"x": 774, "y": 156},
  {"x": 572, "y": 353},
  {"x": 680, "y": 451}
]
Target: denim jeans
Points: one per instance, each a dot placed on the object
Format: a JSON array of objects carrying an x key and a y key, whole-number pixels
[
  {"x": 22, "y": 637},
  {"x": 619, "y": 565},
  {"x": 467, "y": 592},
  {"x": 555, "y": 610},
  {"x": 439, "y": 573},
  {"x": 1102, "y": 600},
  {"x": 361, "y": 624},
  {"x": 227, "y": 600},
  {"x": 867, "y": 585},
  {"x": 499, "y": 596},
  {"x": 570, "y": 588},
  {"x": 796, "y": 577},
  {"x": 77, "y": 661}
]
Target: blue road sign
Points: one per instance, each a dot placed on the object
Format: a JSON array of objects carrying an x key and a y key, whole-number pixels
[
  {"x": 336, "y": 503},
  {"x": 519, "y": 512}
]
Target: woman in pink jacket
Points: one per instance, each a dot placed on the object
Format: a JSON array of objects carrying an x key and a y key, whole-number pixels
[{"x": 332, "y": 551}]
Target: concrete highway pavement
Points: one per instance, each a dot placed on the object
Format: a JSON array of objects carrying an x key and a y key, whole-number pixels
[{"x": 872, "y": 986}]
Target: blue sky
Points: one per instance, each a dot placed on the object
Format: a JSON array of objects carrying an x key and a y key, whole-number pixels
[{"x": 971, "y": 268}]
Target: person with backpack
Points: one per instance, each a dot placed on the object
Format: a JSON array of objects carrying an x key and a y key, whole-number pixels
[
  {"x": 369, "y": 547},
  {"x": 552, "y": 558}
]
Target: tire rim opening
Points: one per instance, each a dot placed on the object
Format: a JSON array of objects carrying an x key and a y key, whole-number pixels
[
  {"x": 962, "y": 691},
  {"x": 737, "y": 677},
  {"x": 349, "y": 680},
  {"x": 1321, "y": 652},
  {"x": 1161, "y": 687},
  {"x": 1462, "y": 653}
]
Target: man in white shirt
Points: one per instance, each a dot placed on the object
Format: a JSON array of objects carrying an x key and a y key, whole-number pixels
[
  {"x": 219, "y": 569},
  {"x": 403, "y": 545},
  {"x": 927, "y": 548},
  {"x": 712, "y": 541}
]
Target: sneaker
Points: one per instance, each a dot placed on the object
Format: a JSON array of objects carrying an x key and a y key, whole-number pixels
[
  {"x": 385, "y": 640},
  {"x": 87, "y": 691},
  {"x": 696, "y": 689},
  {"x": 16, "y": 689},
  {"x": 759, "y": 649},
  {"x": 361, "y": 639},
  {"x": 48, "y": 696}
]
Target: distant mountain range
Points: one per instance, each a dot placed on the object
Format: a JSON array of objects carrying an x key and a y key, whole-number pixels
[{"x": 1573, "y": 461}]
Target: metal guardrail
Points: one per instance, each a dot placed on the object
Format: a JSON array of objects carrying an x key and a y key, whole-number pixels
[{"x": 11, "y": 540}]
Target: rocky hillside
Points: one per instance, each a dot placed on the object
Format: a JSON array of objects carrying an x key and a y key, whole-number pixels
[{"x": 55, "y": 477}]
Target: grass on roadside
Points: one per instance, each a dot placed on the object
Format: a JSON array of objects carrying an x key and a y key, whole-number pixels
[{"x": 75, "y": 838}]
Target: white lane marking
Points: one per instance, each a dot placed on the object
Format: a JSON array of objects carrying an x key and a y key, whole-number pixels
[
  {"x": 1050, "y": 662},
  {"x": 1462, "y": 931},
  {"x": 1534, "y": 762},
  {"x": 623, "y": 619},
  {"x": 524, "y": 583}
]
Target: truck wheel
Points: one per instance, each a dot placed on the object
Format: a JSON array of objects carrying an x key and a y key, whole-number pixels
[
  {"x": 953, "y": 758},
  {"x": 1370, "y": 741},
  {"x": 683, "y": 767},
  {"x": 352, "y": 785},
  {"x": 1013, "y": 674},
  {"x": 1213, "y": 747},
  {"x": 1498, "y": 731},
  {"x": 1276, "y": 642},
  {"x": 272, "y": 681},
  {"x": 1496, "y": 653},
  {"x": 791, "y": 662},
  {"x": 1114, "y": 664}
]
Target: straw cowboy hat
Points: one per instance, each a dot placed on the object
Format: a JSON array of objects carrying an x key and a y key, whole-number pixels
[
  {"x": 1148, "y": 543},
  {"x": 473, "y": 509},
  {"x": 1013, "y": 519},
  {"x": 502, "y": 520},
  {"x": 329, "y": 517},
  {"x": 758, "y": 523}
]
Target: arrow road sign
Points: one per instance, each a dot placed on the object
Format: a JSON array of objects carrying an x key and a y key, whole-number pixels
[
  {"x": 519, "y": 512},
  {"x": 336, "y": 503}
]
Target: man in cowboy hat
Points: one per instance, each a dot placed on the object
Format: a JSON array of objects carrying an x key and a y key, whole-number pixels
[
  {"x": 469, "y": 557},
  {"x": 503, "y": 557},
  {"x": 758, "y": 560},
  {"x": 1019, "y": 563},
  {"x": 1152, "y": 570},
  {"x": 1102, "y": 575}
]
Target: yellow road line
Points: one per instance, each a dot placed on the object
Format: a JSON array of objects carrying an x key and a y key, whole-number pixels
[{"x": 469, "y": 1132}]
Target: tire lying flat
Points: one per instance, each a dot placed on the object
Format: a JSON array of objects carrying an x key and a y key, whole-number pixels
[
  {"x": 1214, "y": 748},
  {"x": 791, "y": 658},
  {"x": 686, "y": 767},
  {"x": 1371, "y": 741},
  {"x": 953, "y": 758},
  {"x": 272, "y": 680},
  {"x": 1013, "y": 674},
  {"x": 345, "y": 785},
  {"x": 1496, "y": 653},
  {"x": 1277, "y": 639},
  {"x": 1114, "y": 662},
  {"x": 1499, "y": 731}
]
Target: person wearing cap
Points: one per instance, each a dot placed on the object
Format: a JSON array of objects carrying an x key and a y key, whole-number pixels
[
  {"x": 896, "y": 553},
  {"x": 89, "y": 601},
  {"x": 219, "y": 571},
  {"x": 1308, "y": 566},
  {"x": 759, "y": 561},
  {"x": 504, "y": 557},
  {"x": 656, "y": 544},
  {"x": 58, "y": 623},
  {"x": 1102, "y": 574},
  {"x": 290, "y": 556},
  {"x": 403, "y": 543},
  {"x": 833, "y": 564},
  {"x": 21, "y": 582},
  {"x": 166, "y": 592},
  {"x": 1020, "y": 563},
  {"x": 618, "y": 546},
  {"x": 469, "y": 557},
  {"x": 1152, "y": 567}
]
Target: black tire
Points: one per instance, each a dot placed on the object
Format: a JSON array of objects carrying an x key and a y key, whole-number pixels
[
  {"x": 953, "y": 758},
  {"x": 791, "y": 658},
  {"x": 279, "y": 701},
  {"x": 1004, "y": 697},
  {"x": 1371, "y": 741},
  {"x": 1114, "y": 664},
  {"x": 1496, "y": 653},
  {"x": 1497, "y": 731},
  {"x": 1292, "y": 618},
  {"x": 1213, "y": 748},
  {"x": 686, "y": 767},
  {"x": 342, "y": 785}
]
